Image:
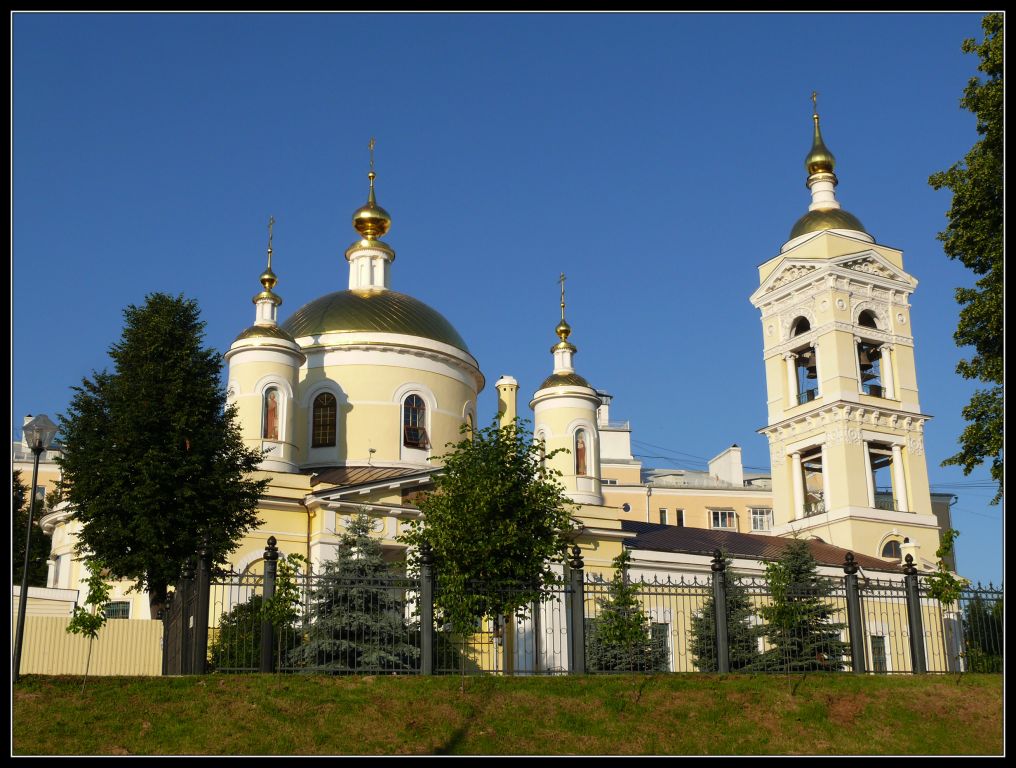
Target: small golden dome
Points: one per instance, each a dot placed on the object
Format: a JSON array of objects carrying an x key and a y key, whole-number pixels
[
  {"x": 563, "y": 330},
  {"x": 819, "y": 159},
  {"x": 831, "y": 218},
  {"x": 268, "y": 279},
  {"x": 564, "y": 380},
  {"x": 264, "y": 332},
  {"x": 372, "y": 221}
]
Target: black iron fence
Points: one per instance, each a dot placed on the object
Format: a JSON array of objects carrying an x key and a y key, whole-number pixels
[{"x": 718, "y": 622}]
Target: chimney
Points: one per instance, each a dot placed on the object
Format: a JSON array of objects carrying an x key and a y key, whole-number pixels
[
  {"x": 507, "y": 399},
  {"x": 727, "y": 467}
]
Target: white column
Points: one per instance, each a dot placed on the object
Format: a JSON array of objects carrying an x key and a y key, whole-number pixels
[
  {"x": 798, "y": 486},
  {"x": 825, "y": 478},
  {"x": 857, "y": 364},
  {"x": 791, "y": 359},
  {"x": 888, "y": 383},
  {"x": 868, "y": 475},
  {"x": 818, "y": 371},
  {"x": 899, "y": 480}
]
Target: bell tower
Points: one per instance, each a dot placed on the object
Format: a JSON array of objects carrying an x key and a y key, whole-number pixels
[{"x": 845, "y": 427}]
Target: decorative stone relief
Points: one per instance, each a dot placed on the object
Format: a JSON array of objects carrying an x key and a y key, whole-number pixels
[
  {"x": 841, "y": 304},
  {"x": 901, "y": 318},
  {"x": 869, "y": 266},
  {"x": 915, "y": 445},
  {"x": 777, "y": 456},
  {"x": 789, "y": 274}
]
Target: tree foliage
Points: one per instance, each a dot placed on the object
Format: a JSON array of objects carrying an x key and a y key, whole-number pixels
[
  {"x": 942, "y": 584},
  {"x": 495, "y": 522},
  {"x": 798, "y": 619},
  {"x": 356, "y": 619},
  {"x": 982, "y": 633},
  {"x": 152, "y": 457},
  {"x": 87, "y": 620},
  {"x": 237, "y": 641},
  {"x": 39, "y": 545},
  {"x": 742, "y": 631},
  {"x": 974, "y": 236},
  {"x": 621, "y": 637}
]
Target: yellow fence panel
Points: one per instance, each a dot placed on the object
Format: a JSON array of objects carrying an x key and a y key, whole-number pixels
[{"x": 123, "y": 647}]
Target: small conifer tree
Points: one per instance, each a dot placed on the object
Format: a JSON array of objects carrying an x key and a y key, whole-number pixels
[
  {"x": 799, "y": 628},
  {"x": 356, "y": 620},
  {"x": 742, "y": 633},
  {"x": 620, "y": 638}
]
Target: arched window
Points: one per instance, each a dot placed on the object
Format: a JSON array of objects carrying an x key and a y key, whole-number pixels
[
  {"x": 581, "y": 451},
  {"x": 892, "y": 550},
  {"x": 414, "y": 422},
  {"x": 867, "y": 319},
  {"x": 270, "y": 421},
  {"x": 324, "y": 420},
  {"x": 800, "y": 325}
]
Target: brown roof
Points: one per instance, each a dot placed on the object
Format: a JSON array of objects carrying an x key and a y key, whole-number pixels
[
  {"x": 359, "y": 475},
  {"x": 703, "y": 541}
]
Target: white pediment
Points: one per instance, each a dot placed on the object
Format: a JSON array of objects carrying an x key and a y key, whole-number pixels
[{"x": 874, "y": 264}]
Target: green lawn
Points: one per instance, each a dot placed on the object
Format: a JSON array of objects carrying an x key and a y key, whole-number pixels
[{"x": 831, "y": 714}]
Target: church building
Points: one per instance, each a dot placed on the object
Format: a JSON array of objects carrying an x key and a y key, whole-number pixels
[{"x": 352, "y": 397}]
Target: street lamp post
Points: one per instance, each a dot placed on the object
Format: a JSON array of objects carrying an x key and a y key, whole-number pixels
[{"x": 39, "y": 434}]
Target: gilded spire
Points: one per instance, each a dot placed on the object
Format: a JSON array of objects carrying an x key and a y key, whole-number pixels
[
  {"x": 819, "y": 159},
  {"x": 268, "y": 278},
  {"x": 563, "y": 330},
  {"x": 371, "y": 221}
]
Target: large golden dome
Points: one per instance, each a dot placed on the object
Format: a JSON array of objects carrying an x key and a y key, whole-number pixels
[
  {"x": 832, "y": 218},
  {"x": 378, "y": 311},
  {"x": 564, "y": 380}
]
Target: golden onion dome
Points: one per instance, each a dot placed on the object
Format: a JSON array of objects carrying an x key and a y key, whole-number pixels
[
  {"x": 268, "y": 279},
  {"x": 372, "y": 311},
  {"x": 371, "y": 220},
  {"x": 819, "y": 159},
  {"x": 564, "y": 380},
  {"x": 831, "y": 218},
  {"x": 563, "y": 330},
  {"x": 265, "y": 332}
]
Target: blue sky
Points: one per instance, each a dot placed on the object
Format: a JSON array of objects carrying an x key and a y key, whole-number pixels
[{"x": 656, "y": 159}]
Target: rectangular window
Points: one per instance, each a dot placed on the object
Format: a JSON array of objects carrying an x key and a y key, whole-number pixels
[
  {"x": 679, "y": 518},
  {"x": 663, "y": 517},
  {"x": 120, "y": 609},
  {"x": 761, "y": 519},
  {"x": 608, "y": 481},
  {"x": 879, "y": 662},
  {"x": 724, "y": 518}
]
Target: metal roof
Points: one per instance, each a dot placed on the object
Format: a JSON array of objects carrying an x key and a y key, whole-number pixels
[{"x": 704, "y": 541}]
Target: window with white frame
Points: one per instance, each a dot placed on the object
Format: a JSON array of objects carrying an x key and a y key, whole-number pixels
[
  {"x": 118, "y": 609},
  {"x": 414, "y": 422},
  {"x": 761, "y": 519},
  {"x": 723, "y": 518},
  {"x": 679, "y": 518},
  {"x": 663, "y": 516}
]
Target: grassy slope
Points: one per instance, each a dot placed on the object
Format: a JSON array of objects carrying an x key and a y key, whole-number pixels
[{"x": 664, "y": 714}]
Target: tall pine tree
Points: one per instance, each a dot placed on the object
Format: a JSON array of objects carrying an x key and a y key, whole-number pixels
[
  {"x": 742, "y": 631},
  {"x": 621, "y": 637},
  {"x": 356, "y": 620},
  {"x": 801, "y": 634},
  {"x": 152, "y": 456}
]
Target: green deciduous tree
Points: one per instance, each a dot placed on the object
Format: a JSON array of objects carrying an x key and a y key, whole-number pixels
[
  {"x": 236, "y": 644},
  {"x": 356, "y": 619},
  {"x": 982, "y": 633},
  {"x": 496, "y": 520},
  {"x": 621, "y": 638},
  {"x": 152, "y": 456},
  {"x": 742, "y": 631},
  {"x": 799, "y": 627},
  {"x": 39, "y": 545},
  {"x": 87, "y": 620},
  {"x": 974, "y": 236}
]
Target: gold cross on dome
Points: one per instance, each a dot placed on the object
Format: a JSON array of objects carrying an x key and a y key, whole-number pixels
[
  {"x": 561, "y": 280},
  {"x": 370, "y": 146}
]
